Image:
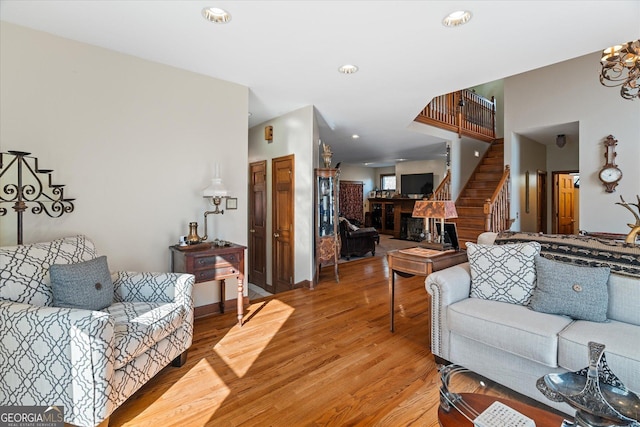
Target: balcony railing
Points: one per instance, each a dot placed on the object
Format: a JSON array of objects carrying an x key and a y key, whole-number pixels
[{"x": 464, "y": 112}]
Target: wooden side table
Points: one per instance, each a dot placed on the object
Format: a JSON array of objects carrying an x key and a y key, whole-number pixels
[
  {"x": 213, "y": 263},
  {"x": 408, "y": 265}
]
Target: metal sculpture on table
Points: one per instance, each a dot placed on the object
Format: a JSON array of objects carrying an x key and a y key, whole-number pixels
[
  {"x": 21, "y": 183},
  {"x": 635, "y": 228},
  {"x": 600, "y": 398}
]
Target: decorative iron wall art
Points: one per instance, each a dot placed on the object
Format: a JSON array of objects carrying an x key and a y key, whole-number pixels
[{"x": 25, "y": 185}]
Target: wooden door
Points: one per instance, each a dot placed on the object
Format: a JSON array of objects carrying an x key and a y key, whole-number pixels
[
  {"x": 564, "y": 206},
  {"x": 258, "y": 225},
  {"x": 541, "y": 197},
  {"x": 282, "y": 222}
]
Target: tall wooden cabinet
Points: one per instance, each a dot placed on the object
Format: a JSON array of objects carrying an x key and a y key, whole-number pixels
[{"x": 326, "y": 219}]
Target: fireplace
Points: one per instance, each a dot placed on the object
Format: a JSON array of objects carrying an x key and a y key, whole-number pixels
[{"x": 411, "y": 228}]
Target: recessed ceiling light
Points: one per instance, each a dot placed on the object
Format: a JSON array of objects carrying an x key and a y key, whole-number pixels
[
  {"x": 400, "y": 160},
  {"x": 348, "y": 69},
  {"x": 216, "y": 15},
  {"x": 354, "y": 136},
  {"x": 456, "y": 18}
]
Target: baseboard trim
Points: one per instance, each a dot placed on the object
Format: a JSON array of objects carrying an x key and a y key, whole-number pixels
[
  {"x": 214, "y": 308},
  {"x": 303, "y": 284}
]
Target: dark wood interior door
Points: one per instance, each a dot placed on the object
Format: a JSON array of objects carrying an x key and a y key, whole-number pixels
[
  {"x": 282, "y": 223},
  {"x": 564, "y": 214},
  {"x": 258, "y": 225}
]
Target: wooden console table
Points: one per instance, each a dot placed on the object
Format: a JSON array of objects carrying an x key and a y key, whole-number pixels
[
  {"x": 213, "y": 263},
  {"x": 408, "y": 265}
]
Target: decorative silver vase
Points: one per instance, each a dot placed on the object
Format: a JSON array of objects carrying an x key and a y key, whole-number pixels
[{"x": 600, "y": 398}]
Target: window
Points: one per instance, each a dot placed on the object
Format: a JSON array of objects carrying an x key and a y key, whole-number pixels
[{"x": 388, "y": 182}]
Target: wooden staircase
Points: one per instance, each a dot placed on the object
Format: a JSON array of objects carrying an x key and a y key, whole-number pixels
[{"x": 481, "y": 186}]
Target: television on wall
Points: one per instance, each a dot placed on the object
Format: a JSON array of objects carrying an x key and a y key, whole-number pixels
[{"x": 416, "y": 183}]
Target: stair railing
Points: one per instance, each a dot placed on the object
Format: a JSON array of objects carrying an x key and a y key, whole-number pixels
[
  {"x": 496, "y": 209},
  {"x": 464, "y": 112},
  {"x": 443, "y": 191}
]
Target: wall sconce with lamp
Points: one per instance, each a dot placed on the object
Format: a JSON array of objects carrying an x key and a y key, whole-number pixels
[
  {"x": 268, "y": 134},
  {"x": 432, "y": 210},
  {"x": 215, "y": 192}
]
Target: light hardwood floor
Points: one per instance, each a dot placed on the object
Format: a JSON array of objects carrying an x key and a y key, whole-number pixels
[{"x": 322, "y": 357}]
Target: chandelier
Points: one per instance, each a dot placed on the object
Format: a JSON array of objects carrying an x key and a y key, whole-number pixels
[{"x": 621, "y": 67}]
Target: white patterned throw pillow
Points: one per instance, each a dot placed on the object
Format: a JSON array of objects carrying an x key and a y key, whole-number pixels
[{"x": 505, "y": 273}]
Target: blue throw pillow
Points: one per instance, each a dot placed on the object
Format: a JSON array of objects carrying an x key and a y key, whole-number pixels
[
  {"x": 86, "y": 285},
  {"x": 571, "y": 290}
]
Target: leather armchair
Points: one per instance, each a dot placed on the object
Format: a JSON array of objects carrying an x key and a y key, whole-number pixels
[{"x": 357, "y": 241}]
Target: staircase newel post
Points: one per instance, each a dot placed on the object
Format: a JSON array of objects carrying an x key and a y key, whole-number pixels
[{"x": 487, "y": 214}]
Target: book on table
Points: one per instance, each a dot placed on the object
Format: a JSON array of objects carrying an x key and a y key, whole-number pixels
[{"x": 424, "y": 252}]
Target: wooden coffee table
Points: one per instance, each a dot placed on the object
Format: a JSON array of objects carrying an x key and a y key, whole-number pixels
[
  {"x": 480, "y": 402},
  {"x": 460, "y": 409}
]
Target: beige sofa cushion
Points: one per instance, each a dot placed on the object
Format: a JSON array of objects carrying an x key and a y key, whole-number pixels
[
  {"x": 622, "y": 348},
  {"x": 624, "y": 299},
  {"x": 513, "y": 328}
]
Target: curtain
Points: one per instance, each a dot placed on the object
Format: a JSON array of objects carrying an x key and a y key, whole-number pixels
[{"x": 351, "y": 200}]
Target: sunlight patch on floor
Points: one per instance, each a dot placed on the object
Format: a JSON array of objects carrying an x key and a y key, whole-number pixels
[
  {"x": 195, "y": 409},
  {"x": 263, "y": 321}
]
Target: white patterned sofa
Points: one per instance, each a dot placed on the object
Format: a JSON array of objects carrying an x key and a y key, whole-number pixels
[
  {"x": 88, "y": 362},
  {"x": 513, "y": 344}
]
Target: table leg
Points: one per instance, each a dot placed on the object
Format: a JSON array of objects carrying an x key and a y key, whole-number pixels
[
  {"x": 240, "y": 300},
  {"x": 222, "y": 295},
  {"x": 392, "y": 283}
]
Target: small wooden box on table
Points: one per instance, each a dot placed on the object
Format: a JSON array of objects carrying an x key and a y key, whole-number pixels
[
  {"x": 418, "y": 261},
  {"x": 209, "y": 262}
]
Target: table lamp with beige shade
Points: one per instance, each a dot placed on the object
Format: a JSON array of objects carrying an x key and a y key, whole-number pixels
[{"x": 432, "y": 210}]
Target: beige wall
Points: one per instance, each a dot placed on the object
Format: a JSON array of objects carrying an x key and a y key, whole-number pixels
[
  {"x": 293, "y": 133},
  {"x": 571, "y": 92},
  {"x": 134, "y": 141},
  {"x": 533, "y": 158},
  {"x": 468, "y": 158}
]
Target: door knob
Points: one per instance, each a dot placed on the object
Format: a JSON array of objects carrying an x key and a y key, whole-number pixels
[
  {"x": 252, "y": 231},
  {"x": 276, "y": 235}
]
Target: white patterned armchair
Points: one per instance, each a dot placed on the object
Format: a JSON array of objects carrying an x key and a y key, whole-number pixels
[{"x": 88, "y": 362}]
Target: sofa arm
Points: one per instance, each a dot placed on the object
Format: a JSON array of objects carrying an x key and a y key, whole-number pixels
[
  {"x": 445, "y": 287},
  {"x": 158, "y": 287},
  {"x": 153, "y": 287},
  {"x": 57, "y": 356}
]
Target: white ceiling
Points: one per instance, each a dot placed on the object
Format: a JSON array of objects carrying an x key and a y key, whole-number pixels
[{"x": 288, "y": 52}]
